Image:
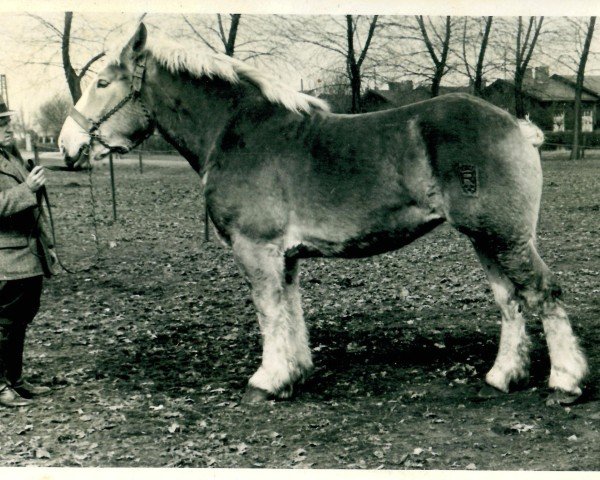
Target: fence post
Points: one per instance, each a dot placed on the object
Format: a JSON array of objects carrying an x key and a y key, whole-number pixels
[
  {"x": 140, "y": 157},
  {"x": 206, "y": 220},
  {"x": 112, "y": 186}
]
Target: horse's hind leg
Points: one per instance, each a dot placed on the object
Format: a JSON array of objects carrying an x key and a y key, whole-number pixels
[
  {"x": 512, "y": 361},
  {"x": 536, "y": 288},
  {"x": 286, "y": 356},
  {"x": 568, "y": 363}
]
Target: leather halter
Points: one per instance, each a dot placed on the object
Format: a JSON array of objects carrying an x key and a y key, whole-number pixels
[{"x": 92, "y": 126}]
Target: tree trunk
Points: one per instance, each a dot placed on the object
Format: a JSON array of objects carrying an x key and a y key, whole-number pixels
[
  {"x": 353, "y": 65},
  {"x": 73, "y": 80},
  {"x": 436, "y": 82},
  {"x": 576, "y": 150},
  {"x": 524, "y": 52},
  {"x": 439, "y": 64},
  {"x": 520, "y": 110},
  {"x": 229, "y": 39},
  {"x": 478, "y": 84},
  {"x": 355, "y": 85}
]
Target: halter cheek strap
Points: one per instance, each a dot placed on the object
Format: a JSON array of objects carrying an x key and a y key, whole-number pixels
[{"x": 81, "y": 120}]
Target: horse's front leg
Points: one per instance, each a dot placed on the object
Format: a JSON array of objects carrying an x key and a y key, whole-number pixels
[{"x": 286, "y": 356}]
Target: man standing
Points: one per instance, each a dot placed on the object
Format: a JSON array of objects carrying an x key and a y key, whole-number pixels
[{"x": 25, "y": 257}]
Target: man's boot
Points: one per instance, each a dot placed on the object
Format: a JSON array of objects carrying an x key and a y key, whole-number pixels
[
  {"x": 8, "y": 397},
  {"x": 14, "y": 365}
]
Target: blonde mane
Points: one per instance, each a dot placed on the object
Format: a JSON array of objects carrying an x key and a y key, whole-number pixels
[{"x": 179, "y": 58}]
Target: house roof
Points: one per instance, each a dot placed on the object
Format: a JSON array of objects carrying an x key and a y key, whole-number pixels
[
  {"x": 591, "y": 83},
  {"x": 392, "y": 97},
  {"x": 552, "y": 90},
  {"x": 405, "y": 97}
]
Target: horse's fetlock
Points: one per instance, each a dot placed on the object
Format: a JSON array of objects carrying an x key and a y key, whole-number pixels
[
  {"x": 301, "y": 372},
  {"x": 285, "y": 392}
]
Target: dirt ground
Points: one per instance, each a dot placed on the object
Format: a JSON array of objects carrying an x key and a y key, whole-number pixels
[{"x": 149, "y": 345}]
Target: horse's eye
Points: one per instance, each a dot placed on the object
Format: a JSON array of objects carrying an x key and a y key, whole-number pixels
[{"x": 102, "y": 83}]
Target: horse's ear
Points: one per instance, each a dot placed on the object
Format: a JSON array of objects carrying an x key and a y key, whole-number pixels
[{"x": 136, "y": 44}]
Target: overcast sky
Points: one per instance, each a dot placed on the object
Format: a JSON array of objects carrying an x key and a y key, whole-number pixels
[{"x": 22, "y": 36}]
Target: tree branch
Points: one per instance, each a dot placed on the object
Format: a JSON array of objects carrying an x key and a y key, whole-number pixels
[
  {"x": 90, "y": 62},
  {"x": 446, "y": 44},
  {"x": 526, "y": 39},
  {"x": 534, "y": 41},
  {"x": 464, "y": 50},
  {"x": 221, "y": 30},
  {"x": 198, "y": 34},
  {"x": 427, "y": 41},
  {"x": 46, "y": 23},
  {"x": 368, "y": 42}
]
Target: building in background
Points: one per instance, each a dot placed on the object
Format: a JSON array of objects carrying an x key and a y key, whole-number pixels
[{"x": 549, "y": 99}]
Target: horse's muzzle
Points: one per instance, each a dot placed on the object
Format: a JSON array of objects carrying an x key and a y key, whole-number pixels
[{"x": 80, "y": 160}]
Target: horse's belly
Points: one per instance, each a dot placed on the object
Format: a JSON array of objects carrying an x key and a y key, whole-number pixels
[{"x": 388, "y": 232}]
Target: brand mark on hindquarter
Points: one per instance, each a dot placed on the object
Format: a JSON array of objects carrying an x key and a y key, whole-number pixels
[{"x": 468, "y": 179}]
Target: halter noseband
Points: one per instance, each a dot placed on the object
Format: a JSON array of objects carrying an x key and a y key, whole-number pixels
[{"x": 92, "y": 126}]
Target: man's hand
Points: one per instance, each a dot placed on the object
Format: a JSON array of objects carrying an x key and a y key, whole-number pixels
[{"x": 36, "y": 178}]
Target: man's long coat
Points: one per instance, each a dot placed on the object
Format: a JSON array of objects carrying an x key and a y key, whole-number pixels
[{"x": 22, "y": 222}]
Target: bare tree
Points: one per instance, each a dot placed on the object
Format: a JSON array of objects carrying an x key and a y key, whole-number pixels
[
  {"x": 348, "y": 39},
  {"x": 21, "y": 125},
  {"x": 525, "y": 45},
  {"x": 57, "y": 41},
  {"x": 576, "y": 150},
  {"x": 53, "y": 113},
  {"x": 438, "y": 56},
  {"x": 481, "y": 41}
]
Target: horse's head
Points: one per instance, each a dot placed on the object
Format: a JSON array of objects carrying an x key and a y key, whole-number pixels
[{"x": 111, "y": 115}]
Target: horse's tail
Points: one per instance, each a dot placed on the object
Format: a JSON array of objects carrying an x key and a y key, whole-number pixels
[{"x": 531, "y": 132}]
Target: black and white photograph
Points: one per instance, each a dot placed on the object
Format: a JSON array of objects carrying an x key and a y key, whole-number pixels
[{"x": 345, "y": 237}]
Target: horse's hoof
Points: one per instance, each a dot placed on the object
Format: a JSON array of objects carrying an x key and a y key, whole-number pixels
[
  {"x": 488, "y": 392},
  {"x": 255, "y": 395},
  {"x": 560, "y": 397}
]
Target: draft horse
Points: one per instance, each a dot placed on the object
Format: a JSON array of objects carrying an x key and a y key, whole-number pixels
[{"x": 285, "y": 179}]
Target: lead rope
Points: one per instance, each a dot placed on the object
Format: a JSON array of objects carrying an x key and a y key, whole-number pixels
[{"x": 94, "y": 223}]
